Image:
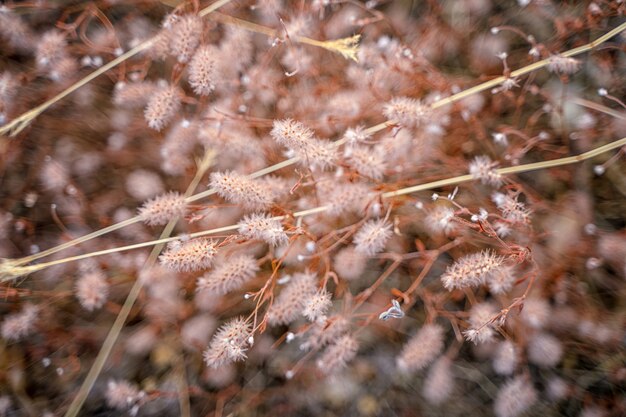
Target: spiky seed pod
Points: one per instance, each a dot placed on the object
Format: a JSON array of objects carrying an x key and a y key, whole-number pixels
[
  {"x": 471, "y": 270},
  {"x": 315, "y": 307},
  {"x": 506, "y": 358},
  {"x": 185, "y": 37},
  {"x": 229, "y": 344},
  {"x": 92, "y": 290},
  {"x": 337, "y": 355},
  {"x": 192, "y": 255},
  {"x": 290, "y": 302},
  {"x": 240, "y": 189},
  {"x": 229, "y": 275},
  {"x": 162, "y": 107},
  {"x": 515, "y": 397},
  {"x": 372, "y": 237},
  {"x": 203, "y": 71},
  {"x": 263, "y": 227},
  {"x": 291, "y": 134},
  {"x": 408, "y": 112},
  {"x": 482, "y": 168},
  {"x": 163, "y": 208},
  {"x": 422, "y": 349}
]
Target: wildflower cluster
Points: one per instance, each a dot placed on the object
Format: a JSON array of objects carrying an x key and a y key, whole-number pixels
[{"x": 217, "y": 204}]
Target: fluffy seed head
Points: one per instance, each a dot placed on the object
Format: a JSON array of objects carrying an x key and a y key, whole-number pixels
[
  {"x": 50, "y": 49},
  {"x": 545, "y": 350},
  {"x": 422, "y": 349},
  {"x": 368, "y": 161},
  {"x": 480, "y": 315},
  {"x": 511, "y": 209},
  {"x": 536, "y": 312},
  {"x": 471, "y": 270},
  {"x": 315, "y": 307},
  {"x": 143, "y": 184},
  {"x": 229, "y": 275},
  {"x": 185, "y": 37},
  {"x": 345, "y": 197},
  {"x": 239, "y": 189},
  {"x": 325, "y": 332},
  {"x": 440, "y": 382},
  {"x": 292, "y": 134},
  {"x": 122, "y": 395},
  {"x": 18, "y": 325},
  {"x": 290, "y": 302},
  {"x": 349, "y": 264},
  {"x": 163, "y": 208},
  {"x": 162, "y": 107},
  {"x": 229, "y": 344},
  {"x": 501, "y": 280},
  {"x": 372, "y": 237},
  {"x": 202, "y": 70},
  {"x": 318, "y": 154},
  {"x": 337, "y": 355},
  {"x": 515, "y": 397},
  {"x": 408, "y": 112},
  {"x": 563, "y": 65},
  {"x": 263, "y": 227},
  {"x": 92, "y": 290},
  {"x": 506, "y": 358},
  {"x": 440, "y": 220},
  {"x": 192, "y": 255},
  {"x": 133, "y": 95},
  {"x": 483, "y": 169}
]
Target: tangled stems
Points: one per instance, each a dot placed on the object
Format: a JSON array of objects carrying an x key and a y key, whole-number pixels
[
  {"x": 10, "y": 270},
  {"x": 17, "y": 267}
]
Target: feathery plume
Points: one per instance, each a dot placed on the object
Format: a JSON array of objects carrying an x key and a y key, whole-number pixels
[
  {"x": 229, "y": 275},
  {"x": 422, "y": 349},
  {"x": 188, "y": 256},
  {"x": 163, "y": 208},
  {"x": 263, "y": 227},
  {"x": 372, "y": 237},
  {"x": 229, "y": 344},
  {"x": 471, "y": 270}
]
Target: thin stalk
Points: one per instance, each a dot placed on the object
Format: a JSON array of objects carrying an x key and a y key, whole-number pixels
[{"x": 348, "y": 47}]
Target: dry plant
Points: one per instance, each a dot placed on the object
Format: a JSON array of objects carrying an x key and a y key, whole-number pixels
[{"x": 325, "y": 207}]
